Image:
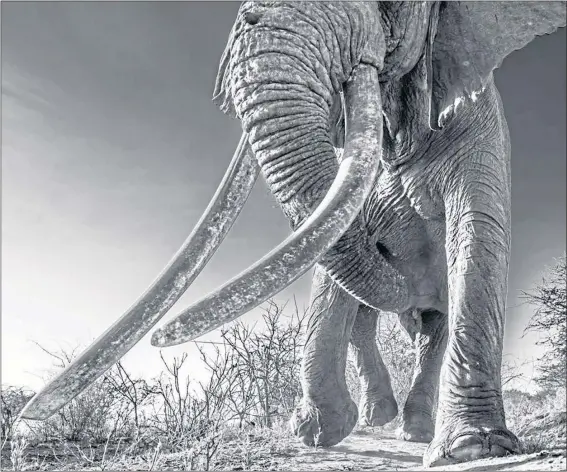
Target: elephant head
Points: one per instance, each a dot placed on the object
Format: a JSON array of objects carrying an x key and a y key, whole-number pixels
[{"x": 305, "y": 78}]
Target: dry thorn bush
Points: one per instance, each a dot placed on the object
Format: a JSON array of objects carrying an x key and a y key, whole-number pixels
[{"x": 235, "y": 420}]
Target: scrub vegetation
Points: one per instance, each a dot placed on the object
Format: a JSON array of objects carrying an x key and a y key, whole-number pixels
[{"x": 237, "y": 420}]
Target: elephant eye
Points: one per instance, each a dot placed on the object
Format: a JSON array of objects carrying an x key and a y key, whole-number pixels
[{"x": 252, "y": 18}]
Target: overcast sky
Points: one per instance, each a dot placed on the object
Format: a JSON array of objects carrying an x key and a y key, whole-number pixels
[{"x": 112, "y": 148}]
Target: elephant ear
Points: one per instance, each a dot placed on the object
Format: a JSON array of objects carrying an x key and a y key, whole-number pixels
[
  {"x": 473, "y": 38},
  {"x": 222, "y": 94}
]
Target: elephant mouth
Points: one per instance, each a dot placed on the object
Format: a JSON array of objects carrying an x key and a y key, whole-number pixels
[{"x": 287, "y": 262}]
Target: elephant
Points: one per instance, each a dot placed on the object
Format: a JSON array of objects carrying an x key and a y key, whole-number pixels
[{"x": 379, "y": 131}]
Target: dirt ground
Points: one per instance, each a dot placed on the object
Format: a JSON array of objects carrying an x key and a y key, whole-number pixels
[
  {"x": 378, "y": 451},
  {"x": 363, "y": 450}
]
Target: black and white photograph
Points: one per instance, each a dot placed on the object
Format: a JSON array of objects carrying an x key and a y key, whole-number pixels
[{"x": 283, "y": 235}]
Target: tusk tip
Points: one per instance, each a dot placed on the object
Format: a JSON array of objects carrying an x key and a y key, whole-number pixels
[{"x": 34, "y": 410}]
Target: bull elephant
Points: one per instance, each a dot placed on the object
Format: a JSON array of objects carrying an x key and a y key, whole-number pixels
[{"x": 379, "y": 131}]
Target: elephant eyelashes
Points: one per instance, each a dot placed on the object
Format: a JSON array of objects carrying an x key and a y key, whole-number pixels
[
  {"x": 383, "y": 250},
  {"x": 252, "y": 18}
]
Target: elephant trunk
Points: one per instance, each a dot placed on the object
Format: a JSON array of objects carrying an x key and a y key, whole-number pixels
[{"x": 284, "y": 97}]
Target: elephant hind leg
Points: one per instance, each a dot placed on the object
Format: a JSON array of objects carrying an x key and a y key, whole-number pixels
[
  {"x": 430, "y": 343},
  {"x": 377, "y": 404}
]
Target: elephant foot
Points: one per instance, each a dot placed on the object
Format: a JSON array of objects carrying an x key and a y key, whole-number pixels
[
  {"x": 378, "y": 412},
  {"x": 469, "y": 443},
  {"x": 416, "y": 428},
  {"x": 324, "y": 425}
]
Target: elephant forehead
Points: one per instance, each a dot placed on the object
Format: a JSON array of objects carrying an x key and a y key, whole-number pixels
[{"x": 351, "y": 30}]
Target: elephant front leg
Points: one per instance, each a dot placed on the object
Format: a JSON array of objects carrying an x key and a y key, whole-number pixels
[
  {"x": 326, "y": 413},
  {"x": 430, "y": 341},
  {"x": 377, "y": 403},
  {"x": 470, "y": 421}
]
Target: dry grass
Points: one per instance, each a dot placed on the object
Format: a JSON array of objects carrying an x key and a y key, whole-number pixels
[
  {"x": 539, "y": 421},
  {"x": 171, "y": 422},
  {"x": 252, "y": 448}
]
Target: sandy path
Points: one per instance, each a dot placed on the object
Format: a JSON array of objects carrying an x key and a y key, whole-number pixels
[{"x": 365, "y": 450}]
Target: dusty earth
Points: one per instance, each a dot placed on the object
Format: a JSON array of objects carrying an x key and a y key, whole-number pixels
[{"x": 365, "y": 450}]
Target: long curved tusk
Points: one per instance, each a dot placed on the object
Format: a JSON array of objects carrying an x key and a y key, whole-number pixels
[
  {"x": 299, "y": 252},
  {"x": 183, "y": 268}
]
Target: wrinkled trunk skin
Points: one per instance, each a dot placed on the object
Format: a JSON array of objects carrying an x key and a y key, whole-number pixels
[{"x": 287, "y": 65}]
